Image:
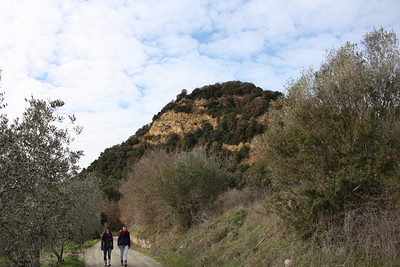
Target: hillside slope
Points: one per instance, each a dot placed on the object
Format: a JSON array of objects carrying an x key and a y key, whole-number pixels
[{"x": 223, "y": 117}]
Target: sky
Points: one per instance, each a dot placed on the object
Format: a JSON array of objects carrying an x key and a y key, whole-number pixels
[{"x": 116, "y": 63}]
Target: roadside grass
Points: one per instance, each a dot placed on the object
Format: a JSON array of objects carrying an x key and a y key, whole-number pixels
[
  {"x": 69, "y": 261},
  {"x": 2, "y": 262},
  {"x": 340, "y": 258},
  {"x": 149, "y": 253},
  {"x": 226, "y": 240},
  {"x": 72, "y": 247},
  {"x": 245, "y": 237},
  {"x": 73, "y": 254}
]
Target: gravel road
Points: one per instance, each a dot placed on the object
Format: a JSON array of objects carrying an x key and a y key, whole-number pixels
[{"x": 94, "y": 258}]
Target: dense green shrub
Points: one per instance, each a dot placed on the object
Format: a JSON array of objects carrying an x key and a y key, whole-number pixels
[
  {"x": 183, "y": 108},
  {"x": 172, "y": 141},
  {"x": 189, "y": 141},
  {"x": 190, "y": 185},
  {"x": 334, "y": 145},
  {"x": 257, "y": 177},
  {"x": 242, "y": 153}
]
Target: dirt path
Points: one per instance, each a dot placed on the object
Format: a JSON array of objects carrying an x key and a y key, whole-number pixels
[{"x": 94, "y": 258}]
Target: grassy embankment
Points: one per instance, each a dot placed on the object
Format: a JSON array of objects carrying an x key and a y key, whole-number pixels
[
  {"x": 73, "y": 255},
  {"x": 246, "y": 237}
]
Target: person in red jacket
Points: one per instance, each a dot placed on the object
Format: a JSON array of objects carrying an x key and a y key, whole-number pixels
[
  {"x": 107, "y": 245},
  {"x": 124, "y": 243}
]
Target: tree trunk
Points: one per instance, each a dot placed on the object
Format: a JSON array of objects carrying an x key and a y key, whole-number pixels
[
  {"x": 36, "y": 259},
  {"x": 59, "y": 255}
]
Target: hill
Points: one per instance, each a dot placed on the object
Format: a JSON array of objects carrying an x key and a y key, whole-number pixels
[{"x": 222, "y": 117}]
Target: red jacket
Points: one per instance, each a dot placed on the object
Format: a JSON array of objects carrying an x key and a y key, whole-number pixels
[{"x": 124, "y": 240}]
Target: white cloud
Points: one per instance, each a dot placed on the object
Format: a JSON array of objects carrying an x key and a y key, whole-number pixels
[
  {"x": 242, "y": 45},
  {"x": 117, "y": 63}
]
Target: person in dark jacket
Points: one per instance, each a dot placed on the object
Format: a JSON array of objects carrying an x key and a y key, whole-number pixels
[
  {"x": 124, "y": 243},
  {"x": 107, "y": 245}
]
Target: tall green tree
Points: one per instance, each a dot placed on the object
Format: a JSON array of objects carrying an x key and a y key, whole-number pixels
[
  {"x": 36, "y": 162},
  {"x": 334, "y": 145},
  {"x": 77, "y": 217}
]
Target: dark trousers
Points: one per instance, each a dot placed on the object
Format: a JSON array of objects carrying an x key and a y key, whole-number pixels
[{"x": 107, "y": 251}]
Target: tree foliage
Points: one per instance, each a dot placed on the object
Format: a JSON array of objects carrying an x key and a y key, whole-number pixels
[
  {"x": 190, "y": 185},
  {"x": 184, "y": 185},
  {"x": 76, "y": 218},
  {"x": 141, "y": 204},
  {"x": 334, "y": 145},
  {"x": 36, "y": 165}
]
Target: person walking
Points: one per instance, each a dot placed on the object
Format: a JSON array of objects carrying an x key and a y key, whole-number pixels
[
  {"x": 124, "y": 243},
  {"x": 107, "y": 245}
]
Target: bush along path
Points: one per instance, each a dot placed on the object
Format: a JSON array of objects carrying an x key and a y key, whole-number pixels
[{"x": 94, "y": 257}]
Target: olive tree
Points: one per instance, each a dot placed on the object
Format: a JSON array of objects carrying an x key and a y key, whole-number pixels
[
  {"x": 77, "y": 217},
  {"x": 36, "y": 164}
]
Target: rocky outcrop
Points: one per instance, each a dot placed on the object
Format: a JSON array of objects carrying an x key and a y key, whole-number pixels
[{"x": 176, "y": 122}]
